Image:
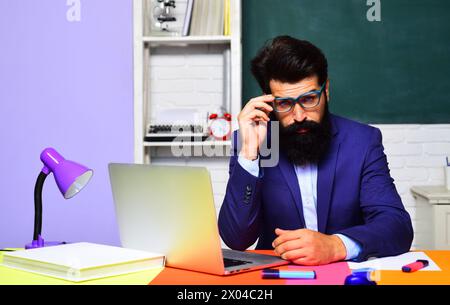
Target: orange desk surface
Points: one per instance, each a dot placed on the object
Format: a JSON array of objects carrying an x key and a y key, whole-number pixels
[{"x": 173, "y": 276}]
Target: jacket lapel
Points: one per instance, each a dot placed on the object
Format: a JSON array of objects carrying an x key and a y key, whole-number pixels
[
  {"x": 288, "y": 171},
  {"x": 325, "y": 179}
]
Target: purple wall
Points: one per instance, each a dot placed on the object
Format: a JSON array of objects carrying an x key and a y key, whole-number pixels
[{"x": 68, "y": 85}]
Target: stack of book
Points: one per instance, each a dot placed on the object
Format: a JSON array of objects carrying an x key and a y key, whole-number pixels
[
  {"x": 207, "y": 17},
  {"x": 82, "y": 261}
]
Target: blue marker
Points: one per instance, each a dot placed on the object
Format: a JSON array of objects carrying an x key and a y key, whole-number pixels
[{"x": 288, "y": 274}]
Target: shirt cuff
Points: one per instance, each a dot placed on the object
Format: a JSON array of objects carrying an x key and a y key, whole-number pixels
[
  {"x": 353, "y": 248},
  {"x": 251, "y": 166}
]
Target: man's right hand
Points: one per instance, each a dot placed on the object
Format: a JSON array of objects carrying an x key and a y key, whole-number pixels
[{"x": 253, "y": 125}]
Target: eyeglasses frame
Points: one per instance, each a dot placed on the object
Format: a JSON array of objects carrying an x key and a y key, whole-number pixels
[{"x": 297, "y": 100}]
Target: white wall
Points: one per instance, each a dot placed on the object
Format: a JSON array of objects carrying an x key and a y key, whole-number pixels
[
  {"x": 188, "y": 77},
  {"x": 416, "y": 156}
]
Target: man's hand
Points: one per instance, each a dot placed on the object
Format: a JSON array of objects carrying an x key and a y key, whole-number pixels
[
  {"x": 306, "y": 247},
  {"x": 253, "y": 125}
]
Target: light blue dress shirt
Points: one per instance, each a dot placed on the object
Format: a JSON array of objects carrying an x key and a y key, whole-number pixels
[{"x": 307, "y": 180}]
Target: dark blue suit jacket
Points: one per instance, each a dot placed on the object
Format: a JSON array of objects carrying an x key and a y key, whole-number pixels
[{"x": 356, "y": 197}]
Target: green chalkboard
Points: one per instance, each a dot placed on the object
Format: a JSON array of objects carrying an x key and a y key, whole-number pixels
[{"x": 393, "y": 71}]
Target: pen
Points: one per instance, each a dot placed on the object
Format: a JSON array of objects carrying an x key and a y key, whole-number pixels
[
  {"x": 446, "y": 158},
  {"x": 417, "y": 265},
  {"x": 288, "y": 274}
]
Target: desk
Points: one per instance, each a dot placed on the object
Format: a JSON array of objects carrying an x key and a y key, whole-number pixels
[
  {"x": 168, "y": 276},
  {"x": 182, "y": 277}
]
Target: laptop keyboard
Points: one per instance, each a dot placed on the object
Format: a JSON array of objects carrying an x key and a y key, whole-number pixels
[{"x": 228, "y": 262}]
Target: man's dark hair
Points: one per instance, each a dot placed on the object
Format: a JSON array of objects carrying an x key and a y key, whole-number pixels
[{"x": 288, "y": 60}]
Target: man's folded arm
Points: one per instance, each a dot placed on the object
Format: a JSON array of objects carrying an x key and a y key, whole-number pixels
[
  {"x": 387, "y": 228},
  {"x": 239, "y": 217}
]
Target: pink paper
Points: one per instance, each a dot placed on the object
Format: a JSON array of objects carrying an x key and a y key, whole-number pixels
[{"x": 331, "y": 274}]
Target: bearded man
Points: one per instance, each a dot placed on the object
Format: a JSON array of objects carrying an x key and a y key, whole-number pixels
[{"x": 331, "y": 196}]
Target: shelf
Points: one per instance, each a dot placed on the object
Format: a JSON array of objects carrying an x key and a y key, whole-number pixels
[
  {"x": 435, "y": 194},
  {"x": 220, "y": 58},
  {"x": 187, "y": 143},
  {"x": 186, "y": 40}
]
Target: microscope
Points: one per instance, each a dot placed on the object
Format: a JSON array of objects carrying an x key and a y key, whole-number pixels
[{"x": 162, "y": 15}]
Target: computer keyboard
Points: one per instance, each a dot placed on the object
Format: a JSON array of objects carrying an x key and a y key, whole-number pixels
[
  {"x": 168, "y": 133},
  {"x": 175, "y": 129},
  {"x": 228, "y": 262}
]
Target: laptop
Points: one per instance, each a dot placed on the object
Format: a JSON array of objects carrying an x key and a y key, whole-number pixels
[{"x": 170, "y": 210}]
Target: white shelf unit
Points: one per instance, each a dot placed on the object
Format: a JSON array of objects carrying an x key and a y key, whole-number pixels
[
  {"x": 433, "y": 210},
  {"x": 146, "y": 47},
  {"x": 174, "y": 143},
  {"x": 187, "y": 40}
]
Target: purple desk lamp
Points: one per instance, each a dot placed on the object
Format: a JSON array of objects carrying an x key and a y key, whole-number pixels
[{"x": 70, "y": 177}]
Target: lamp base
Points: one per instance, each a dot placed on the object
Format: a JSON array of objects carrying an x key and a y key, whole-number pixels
[{"x": 39, "y": 243}]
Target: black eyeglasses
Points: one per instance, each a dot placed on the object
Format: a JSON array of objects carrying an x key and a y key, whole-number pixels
[{"x": 307, "y": 100}]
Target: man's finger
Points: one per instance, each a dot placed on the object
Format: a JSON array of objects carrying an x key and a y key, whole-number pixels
[
  {"x": 280, "y": 231},
  {"x": 259, "y": 103},
  {"x": 266, "y": 109},
  {"x": 289, "y": 235},
  {"x": 294, "y": 254},
  {"x": 263, "y": 98},
  {"x": 262, "y": 125},
  {"x": 288, "y": 246},
  {"x": 257, "y": 114},
  {"x": 305, "y": 261}
]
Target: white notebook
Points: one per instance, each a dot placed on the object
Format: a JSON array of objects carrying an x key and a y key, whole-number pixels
[
  {"x": 396, "y": 262},
  {"x": 82, "y": 261}
]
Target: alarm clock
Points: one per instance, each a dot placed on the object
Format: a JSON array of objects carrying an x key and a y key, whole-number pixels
[{"x": 220, "y": 127}]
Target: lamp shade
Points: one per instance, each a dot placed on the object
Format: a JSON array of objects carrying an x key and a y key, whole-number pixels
[{"x": 70, "y": 176}]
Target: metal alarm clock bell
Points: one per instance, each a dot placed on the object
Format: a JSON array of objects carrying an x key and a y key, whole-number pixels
[{"x": 220, "y": 126}]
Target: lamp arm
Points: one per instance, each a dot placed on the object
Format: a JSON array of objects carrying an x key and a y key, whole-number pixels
[{"x": 38, "y": 205}]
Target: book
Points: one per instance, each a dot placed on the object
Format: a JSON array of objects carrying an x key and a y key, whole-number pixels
[
  {"x": 207, "y": 18},
  {"x": 82, "y": 261},
  {"x": 196, "y": 18},
  {"x": 207, "y": 21},
  {"x": 218, "y": 17},
  {"x": 221, "y": 17},
  {"x": 214, "y": 18},
  {"x": 204, "y": 17},
  {"x": 227, "y": 31},
  {"x": 187, "y": 17}
]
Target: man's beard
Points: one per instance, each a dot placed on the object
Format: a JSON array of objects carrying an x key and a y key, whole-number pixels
[{"x": 308, "y": 147}]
